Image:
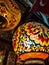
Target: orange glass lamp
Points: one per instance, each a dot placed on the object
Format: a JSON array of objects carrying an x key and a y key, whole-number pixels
[
  {"x": 31, "y": 43},
  {"x": 10, "y": 15}
]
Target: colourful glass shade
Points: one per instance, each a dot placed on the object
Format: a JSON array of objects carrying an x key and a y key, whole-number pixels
[
  {"x": 31, "y": 40},
  {"x": 2, "y": 56},
  {"x": 9, "y": 11}
]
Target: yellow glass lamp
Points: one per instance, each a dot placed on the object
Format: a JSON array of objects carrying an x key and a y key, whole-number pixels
[
  {"x": 10, "y": 15},
  {"x": 31, "y": 41}
]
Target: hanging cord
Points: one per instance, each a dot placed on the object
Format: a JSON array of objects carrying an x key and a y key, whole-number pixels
[
  {"x": 45, "y": 20},
  {"x": 42, "y": 16},
  {"x": 28, "y": 2}
]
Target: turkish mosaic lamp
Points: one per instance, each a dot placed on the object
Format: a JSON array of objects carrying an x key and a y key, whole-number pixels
[
  {"x": 31, "y": 43},
  {"x": 10, "y": 15}
]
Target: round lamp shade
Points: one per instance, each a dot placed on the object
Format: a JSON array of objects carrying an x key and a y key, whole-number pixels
[
  {"x": 31, "y": 41},
  {"x": 10, "y": 15}
]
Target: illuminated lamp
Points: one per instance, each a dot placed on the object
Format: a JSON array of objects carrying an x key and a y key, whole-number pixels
[
  {"x": 31, "y": 43},
  {"x": 9, "y": 14}
]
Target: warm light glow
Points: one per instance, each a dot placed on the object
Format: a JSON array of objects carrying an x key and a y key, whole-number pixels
[{"x": 33, "y": 55}]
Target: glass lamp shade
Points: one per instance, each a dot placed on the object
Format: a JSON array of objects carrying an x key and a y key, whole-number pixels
[
  {"x": 31, "y": 41},
  {"x": 10, "y": 15}
]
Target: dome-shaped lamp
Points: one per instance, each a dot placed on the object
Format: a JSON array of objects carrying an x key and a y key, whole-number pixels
[{"x": 31, "y": 42}]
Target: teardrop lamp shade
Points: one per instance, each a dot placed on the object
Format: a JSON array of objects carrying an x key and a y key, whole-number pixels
[{"x": 31, "y": 41}]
